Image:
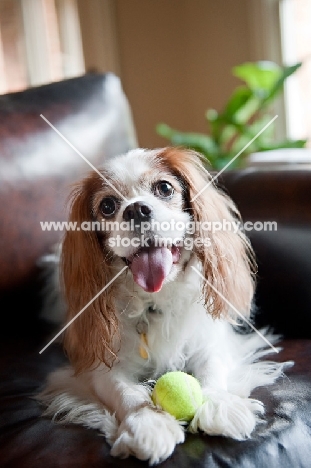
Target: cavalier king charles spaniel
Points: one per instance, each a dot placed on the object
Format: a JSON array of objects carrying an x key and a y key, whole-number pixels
[{"x": 164, "y": 291}]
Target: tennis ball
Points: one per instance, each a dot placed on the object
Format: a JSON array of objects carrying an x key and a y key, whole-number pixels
[{"x": 179, "y": 394}]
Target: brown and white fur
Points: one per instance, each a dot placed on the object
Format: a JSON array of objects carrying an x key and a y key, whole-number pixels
[{"x": 187, "y": 322}]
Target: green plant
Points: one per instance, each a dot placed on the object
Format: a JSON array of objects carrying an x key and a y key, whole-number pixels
[{"x": 245, "y": 114}]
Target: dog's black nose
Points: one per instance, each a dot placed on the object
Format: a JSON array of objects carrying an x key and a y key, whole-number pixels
[{"x": 139, "y": 211}]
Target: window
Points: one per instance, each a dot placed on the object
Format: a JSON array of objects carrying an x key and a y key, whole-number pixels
[
  {"x": 40, "y": 42},
  {"x": 13, "y": 70},
  {"x": 295, "y": 16}
]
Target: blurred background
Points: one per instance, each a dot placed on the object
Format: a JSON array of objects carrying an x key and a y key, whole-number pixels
[{"x": 174, "y": 57}]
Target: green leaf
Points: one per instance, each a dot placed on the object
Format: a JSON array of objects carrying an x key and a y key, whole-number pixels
[
  {"x": 237, "y": 100},
  {"x": 251, "y": 106},
  {"x": 164, "y": 130},
  {"x": 241, "y": 144},
  {"x": 260, "y": 77},
  {"x": 224, "y": 159},
  {"x": 227, "y": 134},
  {"x": 279, "y": 84},
  {"x": 284, "y": 144},
  {"x": 211, "y": 115},
  {"x": 215, "y": 121},
  {"x": 254, "y": 128}
]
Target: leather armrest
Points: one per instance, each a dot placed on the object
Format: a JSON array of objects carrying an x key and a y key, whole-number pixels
[{"x": 281, "y": 195}]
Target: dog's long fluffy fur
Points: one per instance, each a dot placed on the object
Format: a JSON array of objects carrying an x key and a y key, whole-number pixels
[{"x": 187, "y": 321}]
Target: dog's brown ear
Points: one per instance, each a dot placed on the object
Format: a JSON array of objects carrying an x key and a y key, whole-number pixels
[
  {"x": 85, "y": 270},
  {"x": 227, "y": 258}
]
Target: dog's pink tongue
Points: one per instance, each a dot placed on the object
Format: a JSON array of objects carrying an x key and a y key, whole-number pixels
[{"x": 151, "y": 266}]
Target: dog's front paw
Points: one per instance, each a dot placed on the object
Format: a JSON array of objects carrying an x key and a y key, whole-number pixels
[
  {"x": 148, "y": 435},
  {"x": 227, "y": 415}
]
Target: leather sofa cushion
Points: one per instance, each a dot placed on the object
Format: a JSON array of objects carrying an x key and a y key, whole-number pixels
[{"x": 29, "y": 441}]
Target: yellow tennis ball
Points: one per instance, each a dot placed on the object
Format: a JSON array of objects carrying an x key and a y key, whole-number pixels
[{"x": 179, "y": 394}]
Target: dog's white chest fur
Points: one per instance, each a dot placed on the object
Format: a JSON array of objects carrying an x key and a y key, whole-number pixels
[{"x": 168, "y": 321}]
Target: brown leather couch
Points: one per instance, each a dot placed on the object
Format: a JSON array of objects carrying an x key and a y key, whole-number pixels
[{"x": 36, "y": 168}]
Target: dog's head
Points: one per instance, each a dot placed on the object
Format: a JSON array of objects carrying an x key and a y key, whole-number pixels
[{"x": 152, "y": 210}]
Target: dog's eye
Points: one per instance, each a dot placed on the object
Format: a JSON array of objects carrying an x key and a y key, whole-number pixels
[
  {"x": 164, "y": 189},
  {"x": 108, "y": 206}
]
